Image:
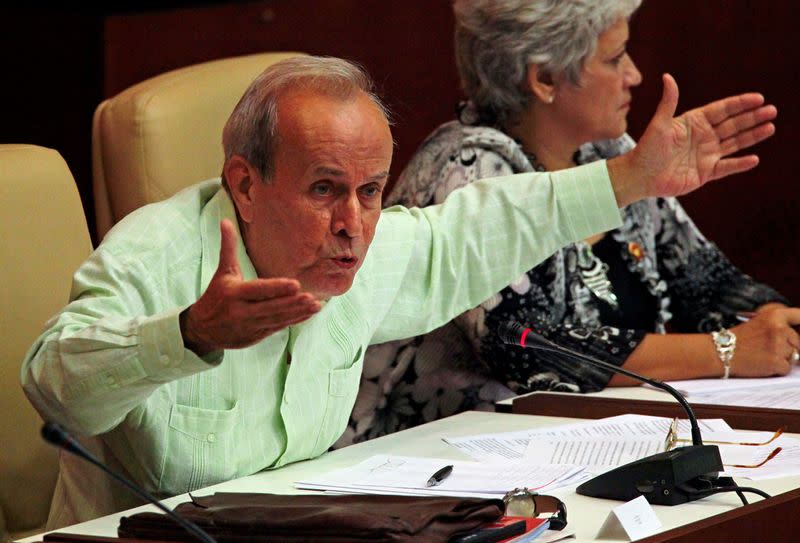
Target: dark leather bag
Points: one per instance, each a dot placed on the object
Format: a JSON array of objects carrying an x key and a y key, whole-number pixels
[{"x": 239, "y": 517}]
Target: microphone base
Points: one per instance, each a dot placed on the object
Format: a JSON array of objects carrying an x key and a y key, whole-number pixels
[{"x": 668, "y": 478}]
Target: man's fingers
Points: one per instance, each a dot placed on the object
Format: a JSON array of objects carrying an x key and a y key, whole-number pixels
[
  {"x": 267, "y": 289},
  {"x": 255, "y": 324},
  {"x": 272, "y": 328},
  {"x": 718, "y": 111},
  {"x": 228, "y": 262},
  {"x": 273, "y": 311},
  {"x": 669, "y": 99},
  {"x": 283, "y": 306},
  {"x": 730, "y": 166},
  {"x": 746, "y": 139},
  {"x": 279, "y": 320},
  {"x": 744, "y": 121},
  {"x": 792, "y": 315},
  {"x": 794, "y": 340}
]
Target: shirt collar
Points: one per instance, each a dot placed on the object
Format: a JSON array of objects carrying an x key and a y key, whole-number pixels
[{"x": 219, "y": 207}]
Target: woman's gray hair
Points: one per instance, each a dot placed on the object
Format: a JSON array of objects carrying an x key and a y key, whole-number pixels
[
  {"x": 251, "y": 130},
  {"x": 496, "y": 40}
]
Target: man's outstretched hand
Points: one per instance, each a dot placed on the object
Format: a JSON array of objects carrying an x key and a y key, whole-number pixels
[
  {"x": 233, "y": 313},
  {"x": 677, "y": 155}
]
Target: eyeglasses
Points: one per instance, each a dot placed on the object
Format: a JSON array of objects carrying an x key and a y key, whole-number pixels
[
  {"x": 672, "y": 439},
  {"x": 769, "y": 457},
  {"x": 522, "y": 502}
]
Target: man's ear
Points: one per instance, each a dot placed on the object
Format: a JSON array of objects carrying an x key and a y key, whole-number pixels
[
  {"x": 541, "y": 84},
  {"x": 241, "y": 178}
]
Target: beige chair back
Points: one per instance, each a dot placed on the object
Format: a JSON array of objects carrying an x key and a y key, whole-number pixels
[
  {"x": 44, "y": 240},
  {"x": 164, "y": 134}
]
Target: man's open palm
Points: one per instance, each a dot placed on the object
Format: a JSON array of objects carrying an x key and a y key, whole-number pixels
[
  {"x": 233, "y": 313},
  {"x": 680, "y": 154}
]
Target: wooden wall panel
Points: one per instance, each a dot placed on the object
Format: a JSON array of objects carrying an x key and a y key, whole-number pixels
[
  {"x": 714, "y": 49},
  {"x": 59, "y": 65},
  {"x": 406, "y": 47},
  {"x": 52, "y": 75}
]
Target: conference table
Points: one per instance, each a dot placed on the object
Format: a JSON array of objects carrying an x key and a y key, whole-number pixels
[{"x": 719, "y": 518}]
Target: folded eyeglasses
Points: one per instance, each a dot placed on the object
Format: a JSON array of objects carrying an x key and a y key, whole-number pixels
[{"x": 672, "y": 440}]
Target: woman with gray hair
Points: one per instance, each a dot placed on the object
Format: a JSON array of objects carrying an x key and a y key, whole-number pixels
[{"x": 549, "y": 85}]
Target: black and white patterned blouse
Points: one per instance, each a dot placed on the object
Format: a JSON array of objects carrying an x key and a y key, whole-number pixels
[{"x": 691, "y": 286}]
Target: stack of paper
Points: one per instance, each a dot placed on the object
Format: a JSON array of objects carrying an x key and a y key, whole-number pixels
[
  {"x": 640, "y": 432},
  {"x": 780, "y": 397},
  {"x": 544, "y": 459},
  {"x": 738, "y": 460},
  {"x": 387, "y": 474},
  {"x": 775, "y": 392}
]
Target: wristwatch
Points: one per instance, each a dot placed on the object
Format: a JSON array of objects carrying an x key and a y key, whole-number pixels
[
  {"x": 725, "y": 343},
  {"x": 522, "y": 502}
]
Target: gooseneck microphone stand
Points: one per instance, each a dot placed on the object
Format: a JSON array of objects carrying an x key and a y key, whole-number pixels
[
  {"x": 672, "y": 477},
  {"x": 513, "y": 333},
  {"x": 56, "y": 435}
]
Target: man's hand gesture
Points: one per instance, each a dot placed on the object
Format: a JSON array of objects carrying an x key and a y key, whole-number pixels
[
  {"x": 677, "y": 155},
  {"x": 233, "y": 313}
]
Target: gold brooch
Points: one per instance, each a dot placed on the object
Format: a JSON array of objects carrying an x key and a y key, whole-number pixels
[{"x": 636, "y": 251}]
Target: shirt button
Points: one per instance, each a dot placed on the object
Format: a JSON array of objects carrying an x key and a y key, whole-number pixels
[
  {"x": 165, "y": 359},
  {"x": 286, "y": 400},
  {"x": 211, "y": 438}
]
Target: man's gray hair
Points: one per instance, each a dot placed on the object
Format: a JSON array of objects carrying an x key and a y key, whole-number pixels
[
  {"x": 251, "y": 130},
  {"x": 496, "y": 40}
]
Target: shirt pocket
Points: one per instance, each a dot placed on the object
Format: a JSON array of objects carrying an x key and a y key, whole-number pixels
[
  {"x": 200, "y": 449},
  {"x": 342, "y": 391}
]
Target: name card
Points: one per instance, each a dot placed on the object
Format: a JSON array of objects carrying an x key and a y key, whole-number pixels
[{"x": 630, "y": 521}]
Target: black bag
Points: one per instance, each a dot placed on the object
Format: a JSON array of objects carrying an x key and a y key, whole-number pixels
[{"x": 239, "y": 517}]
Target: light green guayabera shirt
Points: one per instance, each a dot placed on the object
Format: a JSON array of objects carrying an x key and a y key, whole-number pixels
[{"x": 112, "y": 367}]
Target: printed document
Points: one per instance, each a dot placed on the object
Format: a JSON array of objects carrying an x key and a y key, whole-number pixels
[
  {"x": 513, "y": 445},
  {"x": 596, "y": 454},
  {"x": 693, "y": 387},
  {"x": 780, "y": 397},
  {"x": 388, "y": 474}
]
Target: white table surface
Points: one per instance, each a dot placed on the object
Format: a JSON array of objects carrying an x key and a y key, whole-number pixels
[{"x": 585, "y": 514}]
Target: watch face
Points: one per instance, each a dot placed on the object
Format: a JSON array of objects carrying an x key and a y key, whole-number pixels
[{"x": 520, "y": 503}]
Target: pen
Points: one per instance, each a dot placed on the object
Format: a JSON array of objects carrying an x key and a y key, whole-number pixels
[{"x": 439, "y": 476}]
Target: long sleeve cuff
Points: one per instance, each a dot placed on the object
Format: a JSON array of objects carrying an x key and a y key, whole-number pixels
[
  {"x": 586, "y": 194},
  {"x": 162, "y": 352}
]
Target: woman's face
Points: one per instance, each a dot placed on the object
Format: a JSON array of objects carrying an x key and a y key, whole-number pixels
[{"x": 597, "y": 107}]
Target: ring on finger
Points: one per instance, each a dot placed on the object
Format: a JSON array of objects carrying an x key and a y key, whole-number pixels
[{"x": 795, "y": 356}]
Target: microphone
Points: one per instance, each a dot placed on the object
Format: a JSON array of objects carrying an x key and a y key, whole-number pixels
[
  {"x": 56, "y": 435},
  {"x": 672, "y": 477}
]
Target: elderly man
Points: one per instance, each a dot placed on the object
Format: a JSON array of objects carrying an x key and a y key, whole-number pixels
[{"x": 222, "y": 331}]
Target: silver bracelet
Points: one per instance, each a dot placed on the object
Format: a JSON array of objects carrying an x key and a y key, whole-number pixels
[{"x": 725, "y": 344}]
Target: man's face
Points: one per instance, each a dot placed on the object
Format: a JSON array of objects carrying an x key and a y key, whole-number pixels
[{"x": 315, "y": 219}]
